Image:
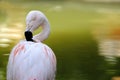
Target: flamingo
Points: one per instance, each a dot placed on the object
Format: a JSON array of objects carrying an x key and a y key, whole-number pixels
[{"x": 31, "y": 59}]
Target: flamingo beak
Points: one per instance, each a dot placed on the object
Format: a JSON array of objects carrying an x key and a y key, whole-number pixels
[{"x": 28, "y": 36}]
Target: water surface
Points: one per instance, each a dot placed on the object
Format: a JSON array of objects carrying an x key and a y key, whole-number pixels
[{"x": 75, "y": 35}]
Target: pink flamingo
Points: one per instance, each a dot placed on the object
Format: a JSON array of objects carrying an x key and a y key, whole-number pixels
[{"x": 30, "y": 59}]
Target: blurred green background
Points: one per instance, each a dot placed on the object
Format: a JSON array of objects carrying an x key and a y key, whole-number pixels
[{"x": 80, "y": 29}]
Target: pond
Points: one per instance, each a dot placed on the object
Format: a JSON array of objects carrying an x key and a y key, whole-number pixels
[{"x": 72, "y": 40}]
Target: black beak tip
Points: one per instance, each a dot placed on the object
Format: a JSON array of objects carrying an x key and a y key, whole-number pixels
[{"x": 28, "y": 35}]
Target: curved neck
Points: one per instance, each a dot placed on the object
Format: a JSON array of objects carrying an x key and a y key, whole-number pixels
[{"x": 45, "y": 32}]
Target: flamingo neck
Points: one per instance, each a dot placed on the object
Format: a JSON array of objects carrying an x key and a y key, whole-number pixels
[{"x": 44, "y": 34}]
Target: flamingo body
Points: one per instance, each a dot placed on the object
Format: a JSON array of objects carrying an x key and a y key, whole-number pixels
[{"x": 31, "y": 61}]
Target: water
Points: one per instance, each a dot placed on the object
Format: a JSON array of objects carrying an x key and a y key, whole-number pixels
[{"x": 72, "y": 40}]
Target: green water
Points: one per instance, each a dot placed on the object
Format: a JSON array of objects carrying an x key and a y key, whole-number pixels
[{"x": 71, "y": 36}]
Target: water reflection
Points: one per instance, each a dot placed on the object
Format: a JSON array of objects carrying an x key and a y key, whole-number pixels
[
  {"x": 109, "y": 48},
  {"x": 13, "y": 32},
  {"x": 10, "y": 33},
  {"x": 11, "y": 28}
]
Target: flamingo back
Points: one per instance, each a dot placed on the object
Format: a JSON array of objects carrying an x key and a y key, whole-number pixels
[{"x": 31, "y": 61}]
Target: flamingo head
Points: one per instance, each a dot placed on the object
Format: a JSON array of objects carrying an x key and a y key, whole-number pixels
[{"x": 35, "y": 19}]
